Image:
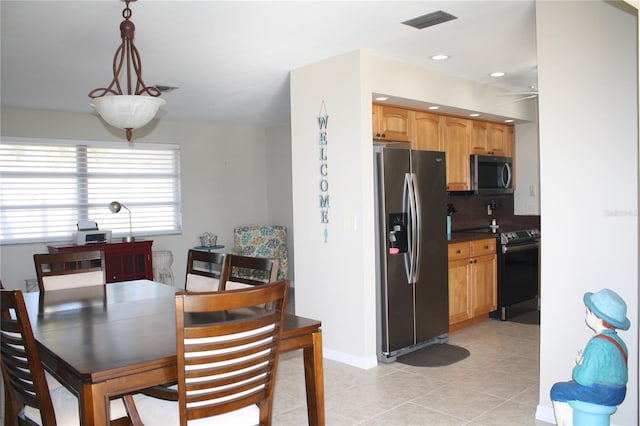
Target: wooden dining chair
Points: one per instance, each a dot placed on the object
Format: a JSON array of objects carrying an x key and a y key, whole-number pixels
[
  {"x": 246, "y": 271},
  {"x": 205, "y": 270},
  {"x": 58, "y": 271},
  {"x": 29, "y": 400},
  {"x": 227, "y": 348},
  {"x": 204, "y": 273}
]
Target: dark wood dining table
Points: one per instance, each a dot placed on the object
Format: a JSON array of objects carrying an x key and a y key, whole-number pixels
[{"x": 104, "y": 341}]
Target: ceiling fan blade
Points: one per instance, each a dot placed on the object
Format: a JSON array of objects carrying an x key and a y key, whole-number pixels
[
  {"x": 518, "y": 93},
  {"x": 524, "y": 98}
]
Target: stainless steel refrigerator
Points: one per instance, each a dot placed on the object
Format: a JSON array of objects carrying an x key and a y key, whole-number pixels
[{"x": 411, "y": 267}]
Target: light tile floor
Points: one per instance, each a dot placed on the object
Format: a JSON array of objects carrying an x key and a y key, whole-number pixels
[{"x": 496, "y": 385}]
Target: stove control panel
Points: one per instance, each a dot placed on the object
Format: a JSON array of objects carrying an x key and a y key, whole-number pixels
[{"x": 519, "y": 236}]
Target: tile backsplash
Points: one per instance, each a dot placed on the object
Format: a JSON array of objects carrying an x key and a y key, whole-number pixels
[{"x": 472, "y": 212}]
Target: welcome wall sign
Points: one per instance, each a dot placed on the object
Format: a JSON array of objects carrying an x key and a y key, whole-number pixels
[{"x": 323, "y": 119}]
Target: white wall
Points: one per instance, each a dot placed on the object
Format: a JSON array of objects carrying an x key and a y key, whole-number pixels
[
  {"x": 587, "y": 75},
  {"x": 335, "y": 282},
  {"x": 420, "y": 85},
  {"x": 526, "y": 197},
  {"x": 334, "y": 279},
  {"x": 417, "y": 87},
  {"x": 279, "y": 201},
  {"x": 226, "y": 179}
]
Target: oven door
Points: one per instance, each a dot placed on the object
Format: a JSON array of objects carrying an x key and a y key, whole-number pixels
[{"x": 517, "y": 274}]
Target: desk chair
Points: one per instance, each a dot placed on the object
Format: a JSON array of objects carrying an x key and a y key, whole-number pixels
[
  {"x": 246, "y": 271},
  {"x": 28, "y": 398},
  {"x": 205, "y": 270},
  {"x": 226, "y": 366},
  {"x": 58, "y": 271}
]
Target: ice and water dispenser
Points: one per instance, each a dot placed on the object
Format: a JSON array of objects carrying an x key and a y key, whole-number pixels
[{"x": 398, "y": 233}]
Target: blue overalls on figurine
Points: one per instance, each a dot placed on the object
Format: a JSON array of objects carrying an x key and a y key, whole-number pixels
[{"x": 599, "y": 382}]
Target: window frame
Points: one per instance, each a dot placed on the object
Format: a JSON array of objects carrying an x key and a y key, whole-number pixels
[{"x": 99, "y": 165}]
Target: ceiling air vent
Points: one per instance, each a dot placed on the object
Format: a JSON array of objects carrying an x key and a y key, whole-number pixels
[
  {"x": 165, "y": 89},
  {"x": 430, "y": 19}
]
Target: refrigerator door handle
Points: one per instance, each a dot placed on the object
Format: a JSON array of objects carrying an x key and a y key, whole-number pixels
[
  {"x": 413, "y": 223},
  {"x": 417, "y": 229},
  {"x": 407, "y": 197}
]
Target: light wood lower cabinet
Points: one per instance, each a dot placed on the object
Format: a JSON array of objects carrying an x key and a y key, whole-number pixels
[{"x": 472, "y": 282}]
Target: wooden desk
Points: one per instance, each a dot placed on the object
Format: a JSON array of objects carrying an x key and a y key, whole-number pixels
[
  {"x": 123, "y": 261},
  {"x": 106, "y": 341}
]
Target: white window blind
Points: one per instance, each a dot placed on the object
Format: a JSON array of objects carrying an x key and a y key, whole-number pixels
[{"x": 47, "y": 186}]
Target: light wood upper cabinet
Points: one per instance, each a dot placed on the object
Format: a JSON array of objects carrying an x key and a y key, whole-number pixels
[
  {"x": 457, "y": 137},
  {"x": 478, "y": 139},
  {"x": 510, "y": 151},
  {"x": 488, "y": 138},
  {"x": 391, "y": 123},
  {"x": 427, "y": 131},
  {"x": 510, "y": 141},
  {"x": 456, "y": 134},
  {"x": 496, "y": 139}
]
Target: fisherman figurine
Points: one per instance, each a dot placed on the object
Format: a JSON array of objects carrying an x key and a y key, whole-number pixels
[{"x": 600, "y": 376}]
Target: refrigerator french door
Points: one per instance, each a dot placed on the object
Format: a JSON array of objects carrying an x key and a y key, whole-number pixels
[{"x": 411, "y": 271}]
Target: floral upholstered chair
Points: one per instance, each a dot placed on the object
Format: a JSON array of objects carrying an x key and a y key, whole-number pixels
[{"x": 263, "y": 241}]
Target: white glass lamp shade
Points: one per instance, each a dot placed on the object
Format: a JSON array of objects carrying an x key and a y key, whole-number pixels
[{"x": 127, "y": 111}]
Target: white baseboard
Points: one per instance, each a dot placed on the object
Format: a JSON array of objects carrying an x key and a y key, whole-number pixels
[
  {"x": 364, "y": 363},
  {"x": 545, "y": 414}
]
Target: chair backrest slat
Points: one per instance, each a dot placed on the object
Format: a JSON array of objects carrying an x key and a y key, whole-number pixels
[
  {"x": 21, "y": 367},
  {"x": 205, "y": 270},
  {"x": 58, "y": 271},
  {"x": 249, "y": 271},
  {"x": 228, "y": 348}
]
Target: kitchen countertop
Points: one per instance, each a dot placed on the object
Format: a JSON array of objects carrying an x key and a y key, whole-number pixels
[{"x": 462, "y": 236}]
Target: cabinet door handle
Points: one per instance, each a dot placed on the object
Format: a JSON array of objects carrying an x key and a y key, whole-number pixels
[{"x": 457, "y": 251}]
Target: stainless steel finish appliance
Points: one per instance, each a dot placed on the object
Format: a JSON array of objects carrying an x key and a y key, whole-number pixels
[
  {"x": 517, "y": 272},
  {"x": 411, "y": 267},
  {"x": 491, "y": 175}
]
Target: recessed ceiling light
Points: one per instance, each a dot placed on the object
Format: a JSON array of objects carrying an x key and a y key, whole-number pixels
[
  {"x": 475, "y": 114},
  {"x": 497, "y": 74},
  {"x": 440, "y": 57},
  {"x": 508, "y": 121},
  {"x": 434, "y": 107},
  {"x": 382, "y": 98}
]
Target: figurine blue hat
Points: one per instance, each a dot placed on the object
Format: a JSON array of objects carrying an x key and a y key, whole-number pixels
[{"x": 609, "y": 306}]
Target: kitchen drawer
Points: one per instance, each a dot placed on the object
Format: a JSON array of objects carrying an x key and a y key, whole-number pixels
[
  {"x": 483, "y": 247},
  {"x": 459, "y": 251}
]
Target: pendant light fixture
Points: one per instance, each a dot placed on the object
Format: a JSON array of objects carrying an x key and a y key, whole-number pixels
[{"x": 137, "y": 107}]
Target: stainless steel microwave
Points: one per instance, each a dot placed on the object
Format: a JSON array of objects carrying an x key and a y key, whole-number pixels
[{"x": 491, "y": 175}]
